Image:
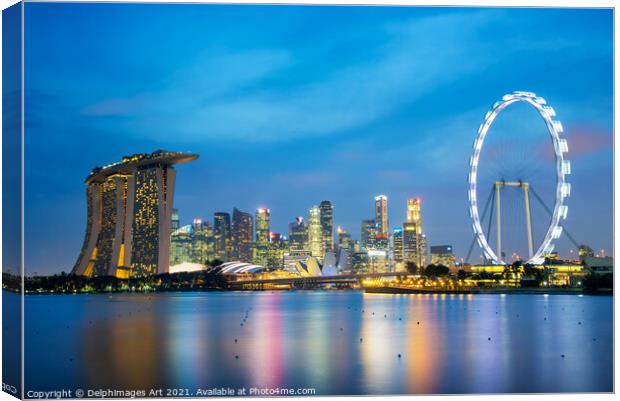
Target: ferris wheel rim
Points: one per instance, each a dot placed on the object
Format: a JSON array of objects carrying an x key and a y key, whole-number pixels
[{"x": 562, "y": 167}]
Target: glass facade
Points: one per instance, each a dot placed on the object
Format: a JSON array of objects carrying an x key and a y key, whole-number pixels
[{"x": 327, "y": 225}]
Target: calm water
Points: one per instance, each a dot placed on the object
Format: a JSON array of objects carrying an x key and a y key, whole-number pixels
[{"x": 312, "y": 339}]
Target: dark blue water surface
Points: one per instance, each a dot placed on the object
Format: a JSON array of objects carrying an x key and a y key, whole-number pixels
[{"x": 335, "y": 342}]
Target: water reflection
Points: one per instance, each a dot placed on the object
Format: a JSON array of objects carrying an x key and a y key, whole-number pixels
[{"x": 447, "y": 343}]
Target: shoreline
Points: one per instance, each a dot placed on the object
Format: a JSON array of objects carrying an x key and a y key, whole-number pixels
[
  {"x": 376, "y": 290},
  {"x": 524, "y": 291}
]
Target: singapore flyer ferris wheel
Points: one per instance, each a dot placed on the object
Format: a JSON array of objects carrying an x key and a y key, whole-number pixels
[{"x": 498, "y": 185}]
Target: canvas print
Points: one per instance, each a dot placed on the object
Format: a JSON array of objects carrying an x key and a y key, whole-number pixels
[{"x": 207, "y": 200}]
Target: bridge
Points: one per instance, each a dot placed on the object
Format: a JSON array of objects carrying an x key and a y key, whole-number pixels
[{"x": 340, "y": 281}]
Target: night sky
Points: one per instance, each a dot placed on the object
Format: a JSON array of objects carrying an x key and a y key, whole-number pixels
[{"x": 291, "y": 105}]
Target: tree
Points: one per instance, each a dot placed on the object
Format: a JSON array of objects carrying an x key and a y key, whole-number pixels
[
  {"x": 532, "y": 272},
  {"x": 411, "y": 267},
  {"x": 436, "y": 270},
  {"x": 215, "y": 262},
  {"x": 593, "y": 281},
  {"x": 462, "y": 274}
]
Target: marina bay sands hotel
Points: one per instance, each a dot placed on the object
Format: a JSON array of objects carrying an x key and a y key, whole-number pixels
[{"x": 129, "y": 208}]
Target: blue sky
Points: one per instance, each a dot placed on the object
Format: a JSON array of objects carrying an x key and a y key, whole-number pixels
[{"x": 291, "y": 105}]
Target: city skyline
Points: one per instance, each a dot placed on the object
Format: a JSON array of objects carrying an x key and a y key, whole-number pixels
[{"x": 289, "y": 129}]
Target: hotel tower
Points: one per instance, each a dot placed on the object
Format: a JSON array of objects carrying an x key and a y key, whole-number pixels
[{"x": 129, "y": 213}]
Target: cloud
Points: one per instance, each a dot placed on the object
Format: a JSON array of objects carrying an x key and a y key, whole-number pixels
[
  {"x": 583, "y": 140},
  {"x": 227, "y": 96},
  {"x": 276, "y": 94},
  {"x": 116, "y": 107},
  {"x": 211, "y": 78}
]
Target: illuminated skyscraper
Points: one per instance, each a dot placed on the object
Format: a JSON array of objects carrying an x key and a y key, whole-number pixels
[
  {"x": 443, "y": 255},
  {"x": 298, "y": 235},
  {"x": 297, "y": 244},
  {"x": 344, "y": 239},
  {"x": 203, "y": 242},
  {"x": 129, "y": 216},
  {"x": 242, "y": 229},
  {"x": 345, "y": 246},
  {"x": 278, "y": 246},
  {"x": 359, "y": 262},
  {"x": 315, "y": 237},
  {"x": 222, "y": 236},
  {"x": 261, "y": 243},
  {"x": 176, "y": 223},
  {"x": 181, "y": 249},
  {"x": 414, "y": 241},
  {"x": 397, "y": 249},
  {"x": 368, "y": 234},
  {"x": 413, "y": 210},
  {"x": 381, "y": 214},
  {"x": 262, "y": 225},
  {"x": 327, "y": 226},
  {"x": 377, "y": 261}
]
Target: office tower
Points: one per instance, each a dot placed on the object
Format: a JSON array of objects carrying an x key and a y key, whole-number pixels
[
  {"x": 359, "y": 262},
  {"x": 397, "y": 249},
  {"x": 381, "y": 214},
  {"x": 222, "y": 236},
  {"x": 414, "y": 245},
  {"x": 327, "y": 226},
  {"x": 345, "y": 247},
  {"x": 414, "y": 240},
  {"x": 315, "y": 237},
  {"x": 297, "y": 245},
  {"x": 261, "y": 242},
  {"x": 443, "y": 255},
  {"x": 278, "y": 246},
  {"x": 181, "y": 249},
  {"x": 129, "y": 216},
  {"x": 382, "y": 242},
  {"x": 298, "y": 235},
  {"x": 377, "y": 261},
  {"x": 368, "y": 234},
  {"x": 175, "y": 221},
  {"x": 242, "y": 229},
  {"x": 344, "y": 239},
  {"x": 262, "y": 225},
  {"x": 413, "y": 210},
  {"x": 203, "y": 242}
]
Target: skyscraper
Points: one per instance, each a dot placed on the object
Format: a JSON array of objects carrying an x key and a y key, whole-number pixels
[
  {"x": 175, "y": 221},
  {"x": 203, "y": 243},
  {"x": 297, "y": 244},
  {"x": 381, "y": 214},
  {"x": 261, "y": 244},
  {"x": 413, "y": 210},
  {"x": 443, "y": 255},
  {"x": 414, "y": 241},
  {"x": 397, "y": 249},
  {"x": 222, "y": 236},
  {"x": 298, "y": 235},
  {"x": 345, "y": 247},
  {"x": 181, "y": 249},
  {"x": 315, "y": 237},
  {"x": 278, "y": 246},
  {"x": 242, "y": 229},
  {"x": 327, "y": 226},
  {"x": 129, "y": 216},
  {"x": 368, "y": 234},
  {"x": 262, "y": 225}
]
